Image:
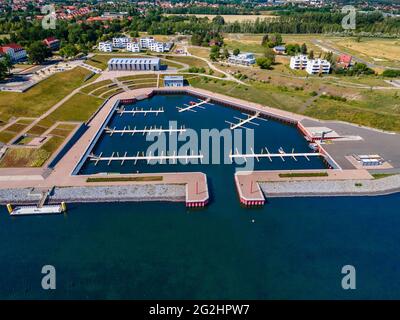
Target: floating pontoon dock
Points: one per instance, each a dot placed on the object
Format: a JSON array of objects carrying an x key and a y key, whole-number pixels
[
  {"x": 147, "y": 158},
  {"x": 144, "y": 131},
  {"x": 269, "y": 155},
  {"x": 35, "y": 210},
  {"x": 190, "y": 107},
  {"x": 244, "y": 121},
  {"x": 121, "y": 111}
]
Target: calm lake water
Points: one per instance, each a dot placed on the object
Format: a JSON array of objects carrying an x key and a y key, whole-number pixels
[{"x": 292, "y": 248}]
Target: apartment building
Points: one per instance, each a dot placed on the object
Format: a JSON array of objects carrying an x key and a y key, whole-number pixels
[
  {"x": 120, "y": 42},
  {"x": 312, "y": 66},
  {"x": 298, "y": 62},
  {"x": 245, "y": 58},
  {"x": 105, "y": 46},
  {"x": 133, "y": 47}
]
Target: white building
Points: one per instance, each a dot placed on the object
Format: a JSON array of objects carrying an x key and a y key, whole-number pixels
[
  {"x": 133, "y": 47},
  {"x": 245, "y": 58},
  {"x": 173, "y": 81},
  {"x": 312, "y": 66},
  {"x": 128, "y": 64},
  {"x": 156, "y": 46},
  {"x": 317, "y": 66},
  {"x": 105, "y": 46},
  {"x": 298, "y": 62},
  {"x": 146, "y": 42},
  {"x": 120, "y": 42}
]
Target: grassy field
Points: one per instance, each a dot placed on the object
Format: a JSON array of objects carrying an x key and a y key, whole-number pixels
[
  {"x": 200, "y": 51},
  {"x": 41, "y": 97},
  {"x": 385, "y": 52},
  {"x": 303, "y": 174},
  {"x": 96, "y": 85},
  {"x": 378, "y": 109},
  {"x": 10, "y": 132},
  {"x": 78, "y": 108},
  {"x": 119, "y": 179},
  {"x": 381, "y": 51},
  {"x": 31, "y": 157},
  {"x": 263, "y": 93}
]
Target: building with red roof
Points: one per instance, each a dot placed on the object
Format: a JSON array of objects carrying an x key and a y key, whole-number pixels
[
  {"x": 15, "y": 51},
  {"x": 344, "y": 60},
  {"x": 52, "y": 43}
]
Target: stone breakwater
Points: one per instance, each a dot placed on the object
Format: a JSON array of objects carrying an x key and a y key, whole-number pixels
[
  {"x": 381, "y": 186},
  {"x": 159, "y": 192}
]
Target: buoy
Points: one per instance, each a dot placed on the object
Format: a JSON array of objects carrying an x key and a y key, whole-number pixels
[
  {"x": 63, "y": 206},
  {"x": 9, "y": 208}
]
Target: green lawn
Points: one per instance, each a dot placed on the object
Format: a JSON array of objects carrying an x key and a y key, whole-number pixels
[
  {"x": 112, "y": 92},
  {"x": 78, "y": 108},
  {"x": 31, "y": 157},
  {"x": 303, "y": 174},
  {"x": 138, "y": 77},
  {"x": 378, "y": 109},
  {"x": 96, "y": 85},
  {"x": 117, "y": 179},
  {"x": 41, "y": 97},
  {"x": 274, "y": 96}
]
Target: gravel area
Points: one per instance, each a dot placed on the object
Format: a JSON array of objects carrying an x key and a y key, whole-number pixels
[
  {"x": 158, "y": 192},
  {"x": 16, "y": 195},
  {"x": 120, "y": 193},
  {"x": 331, "y": 188}
]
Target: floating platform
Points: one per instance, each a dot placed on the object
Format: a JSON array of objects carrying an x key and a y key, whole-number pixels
[{"x": 35, "y": 210}]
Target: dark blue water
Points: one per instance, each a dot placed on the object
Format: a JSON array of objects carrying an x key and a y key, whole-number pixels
[
  {"x": 292, "y": 248},
  {"x": 267, "y": 134}
]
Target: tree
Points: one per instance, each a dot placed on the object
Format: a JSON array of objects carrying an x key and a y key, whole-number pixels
[
  {"x": 236, "y": 51},
  {"x": 3, "y": 70},
  {"x": 225, "y": 53},
  {"x": 68, "y": 51},
  {"x": 265, "y": 40},
  {"x": 264, "y": 63},
  {"x": 269, "y": 54},
  {"x": 219, "y": 20},
  {"x": 7, "y": 62},
  {"x": 391, "y": 73},
  {"x": 214, "y": 53},
  {"x": 311, "y": 55},
  {"x": 38, "y": 52},
  {"x": 276, "y": 39},
  {"x": 292, "y": 49},
  {"x": 303, "y": 48}
]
